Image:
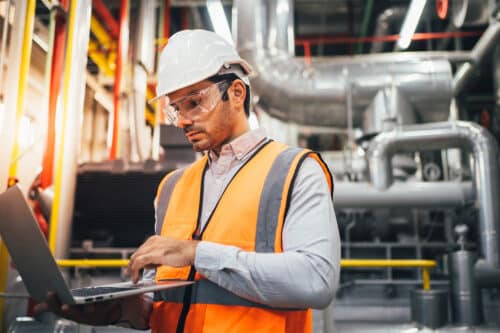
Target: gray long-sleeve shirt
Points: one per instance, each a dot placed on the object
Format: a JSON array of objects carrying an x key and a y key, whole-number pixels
[{"x": 306, "y": 274}]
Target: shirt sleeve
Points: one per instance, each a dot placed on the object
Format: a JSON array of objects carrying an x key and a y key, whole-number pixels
[{"x": 306, "y": 274}]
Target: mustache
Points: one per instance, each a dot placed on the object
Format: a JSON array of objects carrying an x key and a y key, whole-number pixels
[{"x": 192, "y": 129}]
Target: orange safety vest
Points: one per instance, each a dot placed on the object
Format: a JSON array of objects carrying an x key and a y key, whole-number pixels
[{"x": 250, "y": 215}]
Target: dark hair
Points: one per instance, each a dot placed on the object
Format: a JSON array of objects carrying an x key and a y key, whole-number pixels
[{"x": 230, "y": 78}]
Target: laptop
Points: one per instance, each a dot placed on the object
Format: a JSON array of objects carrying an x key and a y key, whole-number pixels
[{"x": 36, "y": 265}]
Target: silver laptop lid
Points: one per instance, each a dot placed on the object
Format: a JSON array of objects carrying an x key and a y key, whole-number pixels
[{"x": 28, "y": 248}]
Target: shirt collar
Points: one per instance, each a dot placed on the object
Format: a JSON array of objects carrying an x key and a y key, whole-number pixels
[{"x": 242, "y": 145}]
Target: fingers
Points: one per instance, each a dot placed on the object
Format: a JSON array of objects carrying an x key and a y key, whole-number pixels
[
  {"x": 41, "y": 307},
  {"x": 144, "y": 257}
]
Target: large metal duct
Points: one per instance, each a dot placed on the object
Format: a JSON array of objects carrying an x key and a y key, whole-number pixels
[
  {"x": 459, "y": 134},
  {"x": 406, "y": 194},
  {"x": 317, "y": 94}
]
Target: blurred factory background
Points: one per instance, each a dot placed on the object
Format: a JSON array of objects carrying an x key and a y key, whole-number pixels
[{"x": 401, "y": 98}]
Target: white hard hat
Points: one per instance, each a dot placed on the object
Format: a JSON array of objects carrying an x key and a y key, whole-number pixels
[{"x": 192, "y": 56}]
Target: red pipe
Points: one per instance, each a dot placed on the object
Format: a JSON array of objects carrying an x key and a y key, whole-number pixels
[
  {"x": 388, "y": 38},
  {"x": 166, "y": 19},
  {"x": 104, "y": 14},
  {"x": 55, "y": 86},
  {"x": 442, "y": 8},
  {"x": 120, "y": 61},
  {"x": 184, "y": 18},
  {"x": 307, "y": 52}
]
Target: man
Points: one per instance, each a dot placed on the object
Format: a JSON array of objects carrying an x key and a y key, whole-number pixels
[{"x": 252, "y": 222}]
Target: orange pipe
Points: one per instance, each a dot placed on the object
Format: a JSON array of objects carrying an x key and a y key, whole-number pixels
[
  {"x": 388, "y": 38},
  {"x": 120, "y": 61},
  {"x": 55, "y": 86}
]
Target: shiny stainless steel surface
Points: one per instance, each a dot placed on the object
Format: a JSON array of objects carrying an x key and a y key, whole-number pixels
[
  {"x": 389, "y": 108},
  {"x": 459, "y": 134},
  {"x": 469, "y": 12},
  {"x": 405, "y": 194},
  {"x": 316, "y": 94},
  {"x": 429, "y": 308},
  {"x": 488, "y": 40},
  {"x": 465, "y": 293}
]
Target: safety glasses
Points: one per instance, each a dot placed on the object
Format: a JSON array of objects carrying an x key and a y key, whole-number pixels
[{"x": 193, "y": 105}]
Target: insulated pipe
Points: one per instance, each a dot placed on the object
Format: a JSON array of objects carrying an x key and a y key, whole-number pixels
[
  {"x": 143, "y": 65},
  {"x": 120, "y": 63},
  {"x": 459, "y": 134},
  {"x": 280, "y": 28},
  {"x": 316, "y": 95},
  {"x": 72, "y": 100},
  {"x": 384, "y": 22},
  {"x": 481, "y": 49},
  {"x": 407, "y": 194}
]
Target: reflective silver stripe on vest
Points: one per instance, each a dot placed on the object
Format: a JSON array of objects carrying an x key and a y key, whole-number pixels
[
  {"x": 270, "y": 200},
  {"x": 206, "y": 292},
  {"x": 164, "y": 198}
]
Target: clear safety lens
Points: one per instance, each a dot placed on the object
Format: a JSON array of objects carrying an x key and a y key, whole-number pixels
[{"x": 194, "y": 104}]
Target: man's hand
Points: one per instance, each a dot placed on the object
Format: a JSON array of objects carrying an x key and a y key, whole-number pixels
[
  {"x": 102, "y": 313},
  {"x": 158, "y": 250},
  {"x": 133, "y": 311}
]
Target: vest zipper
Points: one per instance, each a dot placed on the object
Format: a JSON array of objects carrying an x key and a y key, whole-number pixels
[{"x": 197, "y": 235}]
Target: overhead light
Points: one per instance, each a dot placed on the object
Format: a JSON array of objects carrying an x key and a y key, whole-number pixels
[
  {"x": 219, "y": 20},
  {"x": 410, "y": 23}
]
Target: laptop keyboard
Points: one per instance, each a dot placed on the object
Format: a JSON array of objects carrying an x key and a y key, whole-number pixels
[{"x": 92, "y": 291}]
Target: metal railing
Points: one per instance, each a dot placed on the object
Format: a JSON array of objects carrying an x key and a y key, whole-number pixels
[{"x": 425, "y": 265}]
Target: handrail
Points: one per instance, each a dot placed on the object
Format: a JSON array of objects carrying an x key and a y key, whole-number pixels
[
  {"x": 426, "y": 265},
  {"x": 92, "y": 262},
  {"x": 387, "y": 263}
]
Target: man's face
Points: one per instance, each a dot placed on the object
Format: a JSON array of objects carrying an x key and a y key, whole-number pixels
[{"x": 211, "y": 128}]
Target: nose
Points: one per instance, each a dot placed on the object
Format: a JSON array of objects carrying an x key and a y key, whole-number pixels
[{"x": 183, "y": 122}]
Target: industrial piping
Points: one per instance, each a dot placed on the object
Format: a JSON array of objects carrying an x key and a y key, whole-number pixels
[
  {"x": 481, "y": 49},
  {"x": 317, "y": 94},
  {"x": 405, "y": 194},
  {"x": 459, "y": 134}
]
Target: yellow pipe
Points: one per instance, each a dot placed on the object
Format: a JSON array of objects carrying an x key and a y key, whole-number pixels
[
  {"x": 21, "y": 84},
  {"x": 92, "y": 262},
  {"x": 424, "y": 264},
  {"x": 426, "y": 278},
  {"x": 54, "y": 218},
  {"x": 100, "y": 33},
  {"x": 23, "y": 78},
  {"x": 151, "y": 115},
  {"x": 387, "y": 263},
  {"x": 100, "y": 60},
  {"x": 105, "y": 63}
]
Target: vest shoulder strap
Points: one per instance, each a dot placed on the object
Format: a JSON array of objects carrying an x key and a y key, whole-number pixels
[{"x": 163, "y": 198}]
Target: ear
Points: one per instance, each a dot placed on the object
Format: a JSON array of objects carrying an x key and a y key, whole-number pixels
[{"x": 237, "y": 93}]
